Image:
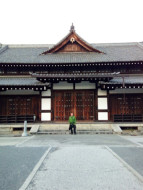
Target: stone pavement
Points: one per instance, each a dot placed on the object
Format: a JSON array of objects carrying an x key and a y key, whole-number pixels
[
  {"x": 62, "y": 162},
  {"x": 78, "y": 168}
]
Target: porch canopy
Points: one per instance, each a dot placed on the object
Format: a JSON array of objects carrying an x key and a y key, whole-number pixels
[
  {"x": 126, "y": 81},
  {"x": 107, "y": 81},
  {"x": 22, "y": 83},
  {"x": 74, "y": 77}
]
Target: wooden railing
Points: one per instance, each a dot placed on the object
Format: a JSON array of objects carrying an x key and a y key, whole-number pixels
[
  {"x": 128, "y": 118},
  {"x": 16, "y": 118}
]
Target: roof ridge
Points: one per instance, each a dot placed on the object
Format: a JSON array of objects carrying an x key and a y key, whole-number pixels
[
  {"x": 30, "y": 45},
  {"x": 115, "y": 44},
  {"x": 3, "y": 48},
  {"x": 52, "y": 45},
  {"x": 140, "y": 45}
]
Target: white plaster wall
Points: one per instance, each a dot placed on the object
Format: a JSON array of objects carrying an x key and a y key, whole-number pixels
[
  {"x": 46, "y": 93},
  {"x": 102, "y": 103},
  {"x": 19, "y": 92},
  {"x": 45, "y": 116},
  {"x": 63, "y": 86},
  {"x": 126, "y": 91},
  {"x": 102, "y": 92},
  {"x": 46, "y": 104},
  {"x": 85, "y": 85},
  {"x": 102, "y": 116}
]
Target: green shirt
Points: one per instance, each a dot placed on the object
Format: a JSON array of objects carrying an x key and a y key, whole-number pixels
[{"x": 72, "y": 120}]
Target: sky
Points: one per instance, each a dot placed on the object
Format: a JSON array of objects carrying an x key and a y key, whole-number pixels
[{"x": 48, "y": 21}]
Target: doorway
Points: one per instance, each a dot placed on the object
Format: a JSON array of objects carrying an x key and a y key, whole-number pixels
[{"x": 80, "y": 102}]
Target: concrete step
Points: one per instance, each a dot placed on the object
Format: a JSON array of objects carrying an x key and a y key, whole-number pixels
[
  {"x": 5, "y": 131},
  {"x": 95, "y": 132},
  {"x": 34, "y": 129},
  {"x": 78, "y": 132}
]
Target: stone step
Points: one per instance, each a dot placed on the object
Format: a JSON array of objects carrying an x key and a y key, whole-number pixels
[
  {"x": 78, "y": 132},
  {"x": 95, "y": 132},
  {"x": 4, "y": 131},
  {"x": 34, "y": 129}
]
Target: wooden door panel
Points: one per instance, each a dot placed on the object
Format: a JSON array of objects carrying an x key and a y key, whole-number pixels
[
  {"x": 81, "y": 103},
  {"x": 59, "y": 106},
  {"x": 20, "y": 105},
  {"x": 68, "y": 104},
  {"x": 128, "y": 104},
  {"x": 89, "y": 105}
]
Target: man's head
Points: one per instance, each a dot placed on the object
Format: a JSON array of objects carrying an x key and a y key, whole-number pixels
[{"x": 71, "y": 114}]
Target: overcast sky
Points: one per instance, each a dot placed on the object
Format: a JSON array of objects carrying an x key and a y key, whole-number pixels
[{"x": 48, "y": 21}]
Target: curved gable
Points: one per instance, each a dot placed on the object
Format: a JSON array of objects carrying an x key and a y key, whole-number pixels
[{"x": 72, "y": 43}]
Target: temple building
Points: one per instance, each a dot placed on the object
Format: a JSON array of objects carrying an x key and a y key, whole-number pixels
[{"x": 97, "y": 82}]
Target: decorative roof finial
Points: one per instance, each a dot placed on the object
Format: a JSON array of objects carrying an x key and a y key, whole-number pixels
[{"x": 72, "y": 28}]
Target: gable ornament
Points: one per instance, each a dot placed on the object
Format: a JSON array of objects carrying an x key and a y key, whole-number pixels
[{"x": 72, "y": 40}]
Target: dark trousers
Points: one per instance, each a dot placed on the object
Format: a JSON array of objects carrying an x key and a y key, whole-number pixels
[{"x": 72, "y": 128}]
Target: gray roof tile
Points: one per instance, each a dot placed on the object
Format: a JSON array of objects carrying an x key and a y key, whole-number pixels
[
  {"x": 112, "y": 53},
  {"x": 127, "y": 80},
  {"x": 20, "y": 82}
]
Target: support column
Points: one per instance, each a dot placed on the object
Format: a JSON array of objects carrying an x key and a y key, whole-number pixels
[
  {"x": 46, "y": 105},
  {"x": 102, "y": 105}
]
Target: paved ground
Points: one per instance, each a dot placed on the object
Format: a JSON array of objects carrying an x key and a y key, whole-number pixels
[
  {"x": 16, "y": 164},
  {"x": 78, "y": 162}
]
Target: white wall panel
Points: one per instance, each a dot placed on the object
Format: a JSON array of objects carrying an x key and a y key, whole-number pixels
[
  {"x": 126, "y": 91},
  {"x": 46, "y": 93},
  {"x": 102, "y": 115},
  {"x": 63, "y": 86},
  {"x": 19, "y": 92},
  {"x": 85, "y": 85},
  {"x": 102, "y": 104},
  {"x": 46, "y": 104},
  {"x": 45, "y": 116},
  {"x": 102, "y": 92}
]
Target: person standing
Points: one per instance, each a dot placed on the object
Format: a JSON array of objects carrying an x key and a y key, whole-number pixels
[{"x": 72, "y": 122}]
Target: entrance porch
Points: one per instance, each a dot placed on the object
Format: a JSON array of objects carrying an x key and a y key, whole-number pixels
[{"x": 82, "y": 128}]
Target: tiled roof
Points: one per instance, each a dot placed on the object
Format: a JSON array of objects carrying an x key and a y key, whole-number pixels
[
  {"x": 112, "y": 53},
  {"x": 9, "y": 81},
  {"x": 127, "y": 80}
]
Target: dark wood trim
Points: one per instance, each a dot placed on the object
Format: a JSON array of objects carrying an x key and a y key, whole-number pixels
[
  {"x": 46, "y": 111},
  {"x": 102, "y": 120},
  {"x": 108, "y": 106},
  {"x": 46, "y": 96},
  {"x": 72, "y": 89},
  {"x": 51, "y": 87},
  {"x": 35, "y": 65},
  {"x": 52, "y": 103},
  {"x": 15, "y": 87},
  {"x": 74, "y": 86},
  {"x": 101, "y": 96},
  {"x": 3, "y": 95},
  {"x": 102, "y": 110},
  {"x": 95, "y": 105}
]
